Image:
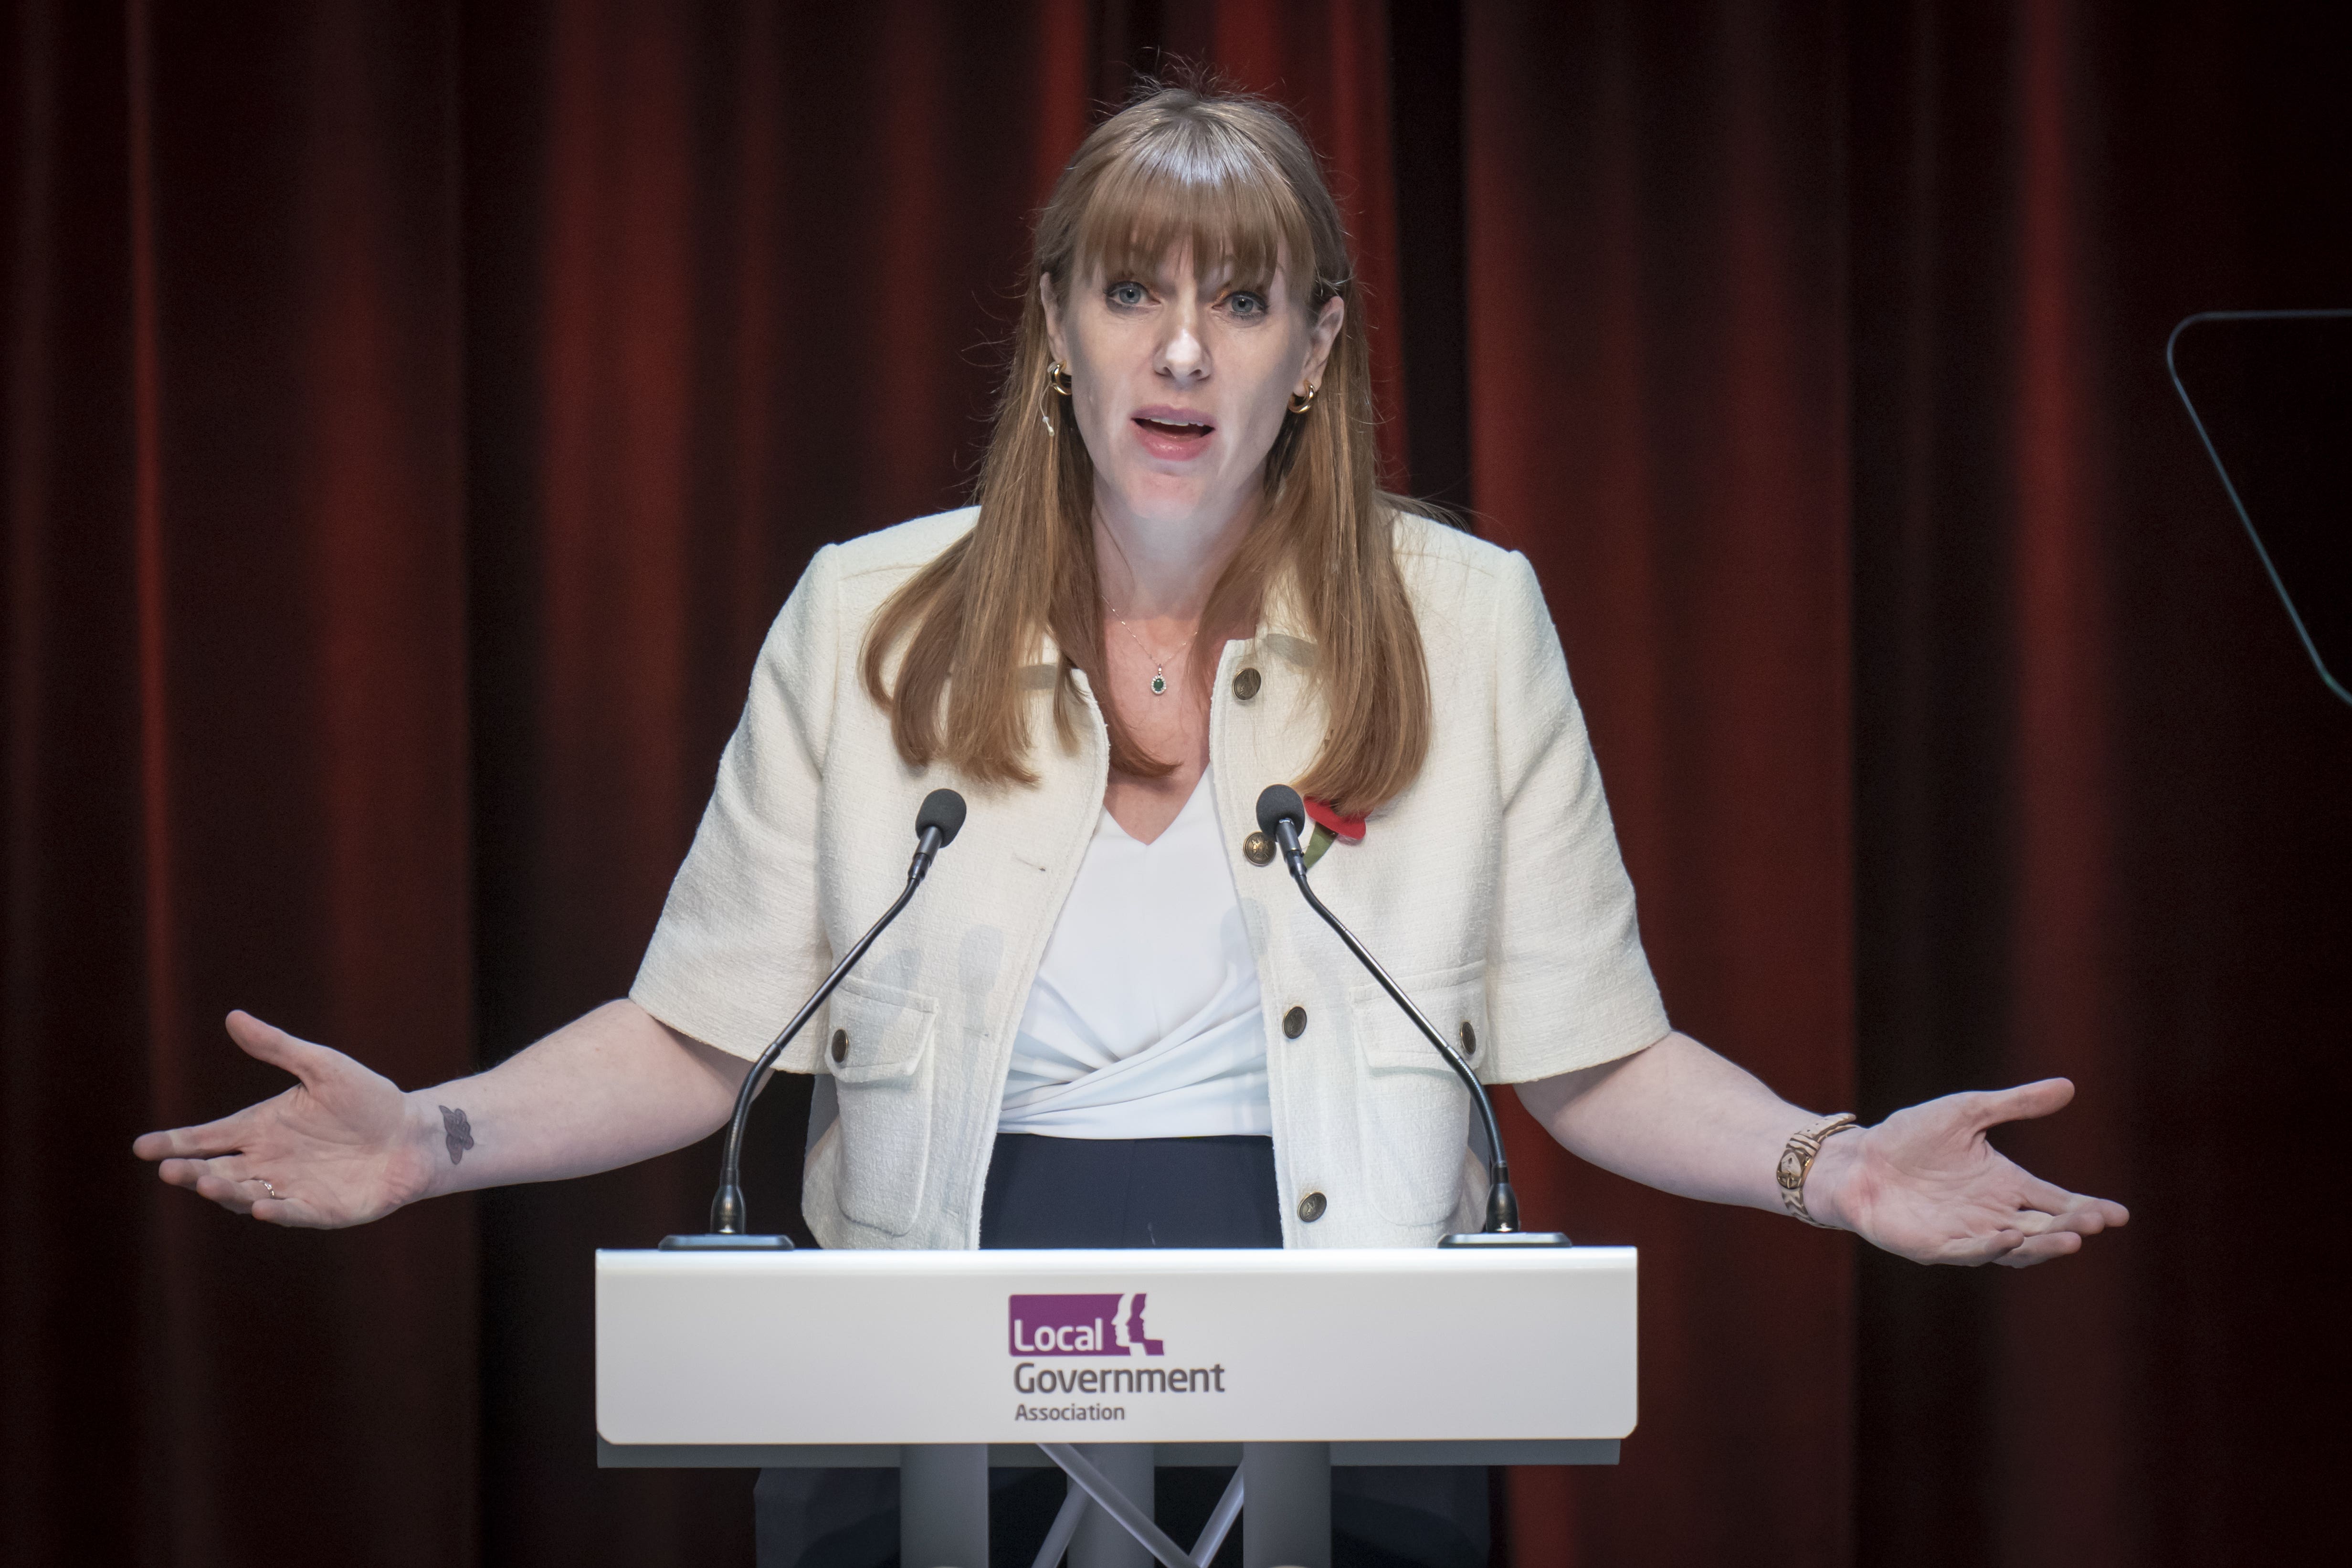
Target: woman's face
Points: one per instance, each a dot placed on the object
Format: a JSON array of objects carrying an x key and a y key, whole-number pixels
[{"x": 1178, "y": 383}]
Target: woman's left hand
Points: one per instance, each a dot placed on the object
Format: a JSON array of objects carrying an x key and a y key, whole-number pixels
[{"x": 1926, "y": 1183}]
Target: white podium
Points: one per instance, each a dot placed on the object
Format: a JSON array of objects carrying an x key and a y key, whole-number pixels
[{"x": 1106, "y": 1363}]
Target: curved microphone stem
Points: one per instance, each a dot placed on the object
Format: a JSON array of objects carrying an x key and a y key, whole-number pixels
[
  {"x": 1501, "y": 1202},
  {"x": 727, "y": 1208}
]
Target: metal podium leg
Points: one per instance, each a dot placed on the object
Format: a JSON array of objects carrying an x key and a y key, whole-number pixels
[
  {"x": 1103, "y": 1541},
  {"x": 1114, "y": 1500},
  {"x": 943, "y": 1505},
  {"x": 1075, "y": 1503},
  {"x": 1286, "y": 1519}
]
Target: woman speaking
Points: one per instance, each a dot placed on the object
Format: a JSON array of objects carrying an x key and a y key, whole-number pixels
[{"x": 1110, "y": 1021}]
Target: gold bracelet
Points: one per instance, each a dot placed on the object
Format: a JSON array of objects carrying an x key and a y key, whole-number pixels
[{"x": 1796, "y": 1162}]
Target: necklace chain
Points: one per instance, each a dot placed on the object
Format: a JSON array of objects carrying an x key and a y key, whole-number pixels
[{"x": 1158, "y": 664}]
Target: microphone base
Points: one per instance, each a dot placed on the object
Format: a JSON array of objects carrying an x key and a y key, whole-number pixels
[
  {"x": 1499, "y": 1239},
  {"x": 726, "y": 1242}
]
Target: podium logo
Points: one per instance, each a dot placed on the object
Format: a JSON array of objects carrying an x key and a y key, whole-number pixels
[{"x": 1081, "y": 1325}]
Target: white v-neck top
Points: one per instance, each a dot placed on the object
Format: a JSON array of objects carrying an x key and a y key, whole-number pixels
[{"x": 1145, "y": 1018}]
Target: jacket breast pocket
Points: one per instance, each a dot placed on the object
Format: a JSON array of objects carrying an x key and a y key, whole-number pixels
[
  {"x": 879, "y": 1053},
  {"x": 1413, "y": 1113}
]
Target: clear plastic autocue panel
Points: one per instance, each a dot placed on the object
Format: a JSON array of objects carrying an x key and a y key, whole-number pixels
[{"x": 2270, "y": 394}]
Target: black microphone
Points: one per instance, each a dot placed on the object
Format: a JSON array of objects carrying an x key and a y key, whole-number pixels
[
  {"x": 936, "y": 826},
  {"x": 1281, "y": 815}
]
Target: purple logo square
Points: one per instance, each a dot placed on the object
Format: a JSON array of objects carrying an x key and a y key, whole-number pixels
[{"x": 1106, "y": 1325}]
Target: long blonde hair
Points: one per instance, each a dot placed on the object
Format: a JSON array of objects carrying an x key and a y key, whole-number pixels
[{"x": 1230, "y": 178}]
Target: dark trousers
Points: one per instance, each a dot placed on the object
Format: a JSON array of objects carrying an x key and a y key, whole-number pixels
[{"x": 1136, "y": 1192}]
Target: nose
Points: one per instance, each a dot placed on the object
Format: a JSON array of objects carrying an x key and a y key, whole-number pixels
[{"x": 1182, "y": 358}]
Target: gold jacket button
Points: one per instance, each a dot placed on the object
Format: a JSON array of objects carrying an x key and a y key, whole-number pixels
[
  {"x": 1257, "y": 848},
  {"x": 1469, "y": 1039},
  {"x": 841, "y": 1045},
  {"x": 1245, "y": 683},
  {"x": 1294, "y": 1024},
  {"x": 1311, "y": 1206}
]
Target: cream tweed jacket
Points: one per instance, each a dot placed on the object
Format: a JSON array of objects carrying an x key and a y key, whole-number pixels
[{"x": 1492, "y": 889}]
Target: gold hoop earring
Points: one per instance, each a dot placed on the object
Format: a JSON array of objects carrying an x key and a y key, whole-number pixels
[
  {"x": 1299, "y": 404},
  {"x": 1058, "y": 380}
]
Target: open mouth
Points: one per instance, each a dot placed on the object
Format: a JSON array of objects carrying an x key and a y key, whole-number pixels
[{"x": 1173, "y": 430}]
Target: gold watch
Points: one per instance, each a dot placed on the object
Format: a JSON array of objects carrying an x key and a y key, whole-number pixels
[{"x": 1797, "y": 1161}]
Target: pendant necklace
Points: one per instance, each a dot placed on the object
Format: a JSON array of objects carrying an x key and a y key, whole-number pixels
[{"x": 1158, "y": 665}]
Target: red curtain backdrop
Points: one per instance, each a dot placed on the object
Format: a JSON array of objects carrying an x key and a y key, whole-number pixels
[
  {"x": 237, "y": 744},
  {"x": 415, "y": 411},
  {"x": 2101, "y": 825},
  {"x": 1656, "y": 361}
]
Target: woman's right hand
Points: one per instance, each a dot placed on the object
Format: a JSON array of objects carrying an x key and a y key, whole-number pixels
[{"x": 343, "y": 1146}]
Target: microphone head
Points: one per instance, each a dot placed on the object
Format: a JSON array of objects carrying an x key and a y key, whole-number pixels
[
  {"x": 1280, "y": 803},
  {"x": 943, "y": 809}
]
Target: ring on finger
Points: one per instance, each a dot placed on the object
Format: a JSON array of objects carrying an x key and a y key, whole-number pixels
[{"x": 266, "y": 1188}]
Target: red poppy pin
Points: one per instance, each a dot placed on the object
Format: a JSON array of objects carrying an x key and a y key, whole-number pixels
[{"x": 1330, "y": 826}]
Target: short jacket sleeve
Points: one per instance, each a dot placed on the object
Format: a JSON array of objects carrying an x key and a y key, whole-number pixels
[
  {"x": 1569, "y": 984},
  {"x": 741, "y": 937}
]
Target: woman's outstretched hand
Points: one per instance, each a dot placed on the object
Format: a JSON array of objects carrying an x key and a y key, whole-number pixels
[
  {"x": 343, "y": 1146},
  {"x": 1927, "y": 1185}
]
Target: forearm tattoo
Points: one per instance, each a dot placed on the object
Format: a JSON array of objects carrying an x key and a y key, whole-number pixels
[{"x": 461, "y": 1136}]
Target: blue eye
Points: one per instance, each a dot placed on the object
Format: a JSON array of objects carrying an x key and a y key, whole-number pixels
[
  {"x": 1246, "y": 304},
  {"x": 1127, "y": 294}
]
